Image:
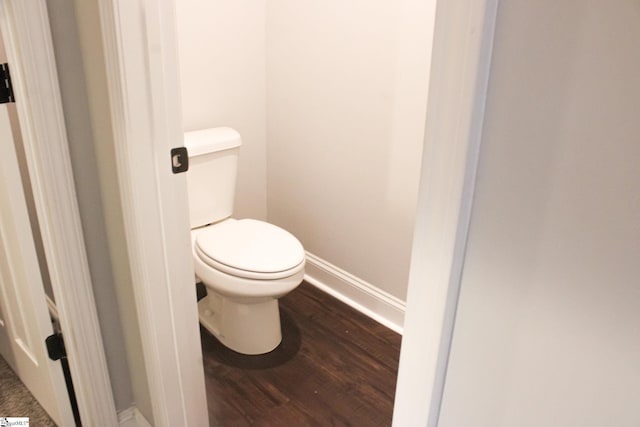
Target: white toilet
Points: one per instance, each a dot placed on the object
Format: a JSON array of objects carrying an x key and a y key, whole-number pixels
[{"x": 246, "y": 265}]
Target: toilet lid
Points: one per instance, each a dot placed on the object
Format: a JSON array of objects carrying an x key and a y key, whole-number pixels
[{"x": 250, "y": 245}]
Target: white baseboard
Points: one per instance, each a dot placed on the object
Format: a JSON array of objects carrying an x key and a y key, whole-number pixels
[
  {"x": 362, "y": 296},
  {"x": 131, "y": 417}
]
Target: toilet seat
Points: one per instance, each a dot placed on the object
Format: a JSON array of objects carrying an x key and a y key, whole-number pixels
[{"x": 250, "y": 249}]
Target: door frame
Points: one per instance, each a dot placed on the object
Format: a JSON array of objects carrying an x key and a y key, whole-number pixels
[
  {"x": 139, "y": 36},
  {"x": 27, "y": 38},
  {"x": 142, "y": 79},
  {"x": 460, "y": 67}
]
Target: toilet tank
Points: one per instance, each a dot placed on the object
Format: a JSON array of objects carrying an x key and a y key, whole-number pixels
[{"x": 211, "y": 178}]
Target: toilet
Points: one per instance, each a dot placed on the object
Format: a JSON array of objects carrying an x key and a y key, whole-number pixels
[{"x": 245, "y": 264}]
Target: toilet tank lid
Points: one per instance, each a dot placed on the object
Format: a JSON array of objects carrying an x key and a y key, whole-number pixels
[{"x": 205, "y": 141}]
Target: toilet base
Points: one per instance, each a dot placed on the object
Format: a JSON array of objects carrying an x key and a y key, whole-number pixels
[{"x": 251, "y": 329}]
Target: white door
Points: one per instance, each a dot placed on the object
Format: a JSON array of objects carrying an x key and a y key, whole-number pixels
[{"x": 24, "y": 319}]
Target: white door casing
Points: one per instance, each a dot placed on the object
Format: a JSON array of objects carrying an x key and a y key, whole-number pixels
[
  {"x": 461, "y": 57},
  {"x": 27, "y": 38},
  {"x": 140, "y": 56}
]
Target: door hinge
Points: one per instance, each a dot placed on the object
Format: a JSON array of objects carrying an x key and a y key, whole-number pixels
[
  {"x": 6, "y": 88},
  {"x": 56, "y": 351},
  {"x": 179, "y": 160},
  {"x": 55, "y": 346}
]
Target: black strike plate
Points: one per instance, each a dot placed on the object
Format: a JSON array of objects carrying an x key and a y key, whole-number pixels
[{"x": 179, "y": 160}]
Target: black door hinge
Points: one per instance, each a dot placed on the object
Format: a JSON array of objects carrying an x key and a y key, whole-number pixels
[
  {"x": 56, "y": 351},
  {"x": 6, "y": 88},
  {"x": 55, "y": 346},
  {"x": 179, "y": 159}
]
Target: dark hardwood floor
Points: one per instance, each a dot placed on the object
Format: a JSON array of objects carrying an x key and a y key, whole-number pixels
[{"x": 334, "y": 367}]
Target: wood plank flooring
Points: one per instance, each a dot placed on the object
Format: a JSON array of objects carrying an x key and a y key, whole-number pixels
[{"x": 334, "y": 367}]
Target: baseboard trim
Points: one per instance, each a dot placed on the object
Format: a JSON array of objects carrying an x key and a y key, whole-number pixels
[
  {"x": 131, "y": 417},
  {"x": 362, "y": 296}
]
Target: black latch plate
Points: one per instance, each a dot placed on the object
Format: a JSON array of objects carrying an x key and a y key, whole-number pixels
[
  {"x": 179, "y": 159},
  {"x": 55, "y": 347},
  {"x": 6, "y": 88}
]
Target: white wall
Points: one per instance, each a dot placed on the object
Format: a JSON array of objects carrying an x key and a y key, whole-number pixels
[
  {"x": 346, "y": 102},
  {"x": 332, "y": 122},
  {"x": 222, "y": 67},
  {"x": 548, "y": 320}
]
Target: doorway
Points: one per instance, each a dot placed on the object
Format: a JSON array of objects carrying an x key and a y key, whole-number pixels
[
  {"x": 462, "y": 55},
  {"x": 330, "y": 102}
]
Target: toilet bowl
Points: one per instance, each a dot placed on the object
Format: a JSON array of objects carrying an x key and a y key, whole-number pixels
[
  {"x": 245, "y": 264},
  {"x": 244, "y": 278}
]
